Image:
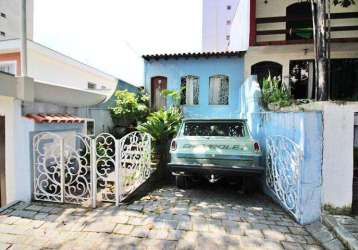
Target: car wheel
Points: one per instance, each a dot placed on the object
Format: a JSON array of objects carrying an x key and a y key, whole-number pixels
[{"x": 182, "y": 182}]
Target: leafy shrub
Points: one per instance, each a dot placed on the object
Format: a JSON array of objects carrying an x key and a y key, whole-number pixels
[
  {"x": 162, "y": 125},
  {"x": 129, "y": 107},
  {"x": 274, "y": 92}
]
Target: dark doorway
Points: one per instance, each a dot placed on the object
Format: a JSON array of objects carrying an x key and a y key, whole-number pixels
[
  {"x": 158, "y": 84},
  {"x": 265, "y": 68},
  {"x": 344, "y": 79},
  {"x": 299, "y": 21},
  {"x": 2, "y": 161},
  {"x": 302, "y": 79}
]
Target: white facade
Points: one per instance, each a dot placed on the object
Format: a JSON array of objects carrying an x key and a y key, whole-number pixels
[
  {"x": 10, "y": 19},
  {"x": 48, "y": 66},
  {"x": 218, "y": 16}
]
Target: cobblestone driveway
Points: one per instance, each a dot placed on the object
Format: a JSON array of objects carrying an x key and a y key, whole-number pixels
[{"x": 166, "y": 219}]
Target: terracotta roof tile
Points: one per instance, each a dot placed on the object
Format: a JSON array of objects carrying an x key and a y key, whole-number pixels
[{"x": 55, "y": 118}]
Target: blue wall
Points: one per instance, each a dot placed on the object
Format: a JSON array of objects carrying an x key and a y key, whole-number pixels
[
  {"x": 174, "y": 69},
  {"x": 303, "y": 128}
]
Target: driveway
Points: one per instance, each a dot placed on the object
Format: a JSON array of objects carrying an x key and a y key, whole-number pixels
[{"x": 168, "y": 218}]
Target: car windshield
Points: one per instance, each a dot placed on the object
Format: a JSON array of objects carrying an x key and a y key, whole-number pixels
[{"x": 234, "y": 129}]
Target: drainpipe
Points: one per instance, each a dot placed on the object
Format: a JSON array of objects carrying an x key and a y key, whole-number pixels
[{"x": 23, "y": 39}]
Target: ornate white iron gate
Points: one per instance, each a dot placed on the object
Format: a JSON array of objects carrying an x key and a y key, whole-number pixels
[
  {"x": 74, "y": 168},
  {"x": 283, "y": 166}
]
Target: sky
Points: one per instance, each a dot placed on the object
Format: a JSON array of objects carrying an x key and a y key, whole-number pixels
[{"x": 113, "y": 34}]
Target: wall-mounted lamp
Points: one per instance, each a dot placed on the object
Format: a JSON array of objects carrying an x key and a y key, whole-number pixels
[{"x": 305, "y": 51}]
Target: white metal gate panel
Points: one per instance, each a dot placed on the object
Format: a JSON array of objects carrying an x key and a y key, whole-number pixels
[
  {"x": 105, "y": 165},
  {"x": 74, "y": 168},
  {"x": 134, "y": 162},
  {"x": 283, "y": 167},
  {"x": 61, "y": 168}
]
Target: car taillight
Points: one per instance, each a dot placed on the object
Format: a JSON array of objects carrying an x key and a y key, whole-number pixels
[
  {"x": 256, "y": 147},
  {"x": 173, "y": 145}
]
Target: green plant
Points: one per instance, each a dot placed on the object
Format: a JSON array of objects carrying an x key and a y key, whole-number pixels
[
  {"x": 274, "y": 92},
  {"x": 130, "y": 107},
  {"x": 162, "y": 125},
  {"x": 174, "y": 95}
]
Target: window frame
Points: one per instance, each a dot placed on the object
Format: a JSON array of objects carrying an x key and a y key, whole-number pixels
[
  {"x": 183, "y": 96},
  {"x": 228, "y": 90}
]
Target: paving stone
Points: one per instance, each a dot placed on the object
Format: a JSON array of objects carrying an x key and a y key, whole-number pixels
[
  {"x": 100, "y": 227},
  {"x": 23, "y": 213},
  {"x": 167, "y": 218},
  {"x": 273, "y": 235},
  {"x": 140, "y": 231},
  {"x": 291, "y": 246},
  {"x": 298, "y": 230},
  {"x": 281, "y": 229},
  {"x": 152, "y": 244},
  {"x": 311, "y": 247},
  {"x": 333, "y": 245}
]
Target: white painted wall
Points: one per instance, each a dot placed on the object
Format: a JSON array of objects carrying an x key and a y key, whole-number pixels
[
  {"x": 240, "y": 28},
  {"x": 215, "y": 27},
  {"x": 17, "y": 147},
  {"x": 46, "y": 65},
  {"x": 337, "y": 159},
  {"x": 11, "y": 25}
]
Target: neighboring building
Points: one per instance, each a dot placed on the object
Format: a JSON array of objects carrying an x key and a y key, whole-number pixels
[
  {"x": 278, "y": 39},
  {"x": 212, "y": 82},
  {"x": 47, "y": 65},
  {"x": 27, "y": 107},
  {"x": 217, "y": 19},
  {"x": 10, "y": 19}
]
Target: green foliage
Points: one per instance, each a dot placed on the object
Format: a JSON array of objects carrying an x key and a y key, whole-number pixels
[
  {"x": 175, "y": 95},
  {"x": 130, "y": 107},
  {"x": 162, "y": 125},
  {"x": 273, "y": 92}
]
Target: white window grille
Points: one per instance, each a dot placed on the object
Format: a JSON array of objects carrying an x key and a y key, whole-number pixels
[
  {"x": 8, "y": 67},
  {"x": 219, "y": 90},
  {"x": 190, "y": 90}
]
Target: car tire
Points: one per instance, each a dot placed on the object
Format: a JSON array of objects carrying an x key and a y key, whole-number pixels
[{"x": 182, "y": 182}]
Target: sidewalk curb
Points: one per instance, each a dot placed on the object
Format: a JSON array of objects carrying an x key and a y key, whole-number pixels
[{"x": 342, "y": 234}]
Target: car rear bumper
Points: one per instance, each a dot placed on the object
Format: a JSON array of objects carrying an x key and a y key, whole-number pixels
[{"x": 208, "y": 169}]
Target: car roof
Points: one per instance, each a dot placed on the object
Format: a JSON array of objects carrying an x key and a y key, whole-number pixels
[{"x": 213, "y": 120}]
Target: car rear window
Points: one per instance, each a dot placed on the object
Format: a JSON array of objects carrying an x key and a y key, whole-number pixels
[{"x": 234, "y": 129}]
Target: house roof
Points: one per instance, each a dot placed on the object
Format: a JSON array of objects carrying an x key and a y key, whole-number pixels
[
  {"x": 194, "y": 55},
  {"x": 55, "y": 118}
]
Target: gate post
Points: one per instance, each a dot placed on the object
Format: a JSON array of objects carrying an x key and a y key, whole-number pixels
[
  {"x": 62, "y": 170},
  {"x": 116, "y": 169},
  {"x": 94, "y": 172}
]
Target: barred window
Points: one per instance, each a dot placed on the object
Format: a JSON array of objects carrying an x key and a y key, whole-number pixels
[
  {"x": 8, "y": 67},
  {"x": 190, "y": 90},
  {"x": 219, "y": 90}
]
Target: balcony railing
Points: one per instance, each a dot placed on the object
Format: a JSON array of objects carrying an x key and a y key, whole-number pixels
[{"x": 344, "y": 28}]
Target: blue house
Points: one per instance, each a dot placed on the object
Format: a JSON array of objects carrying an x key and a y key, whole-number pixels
[{"x": 210, "y": 82}]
